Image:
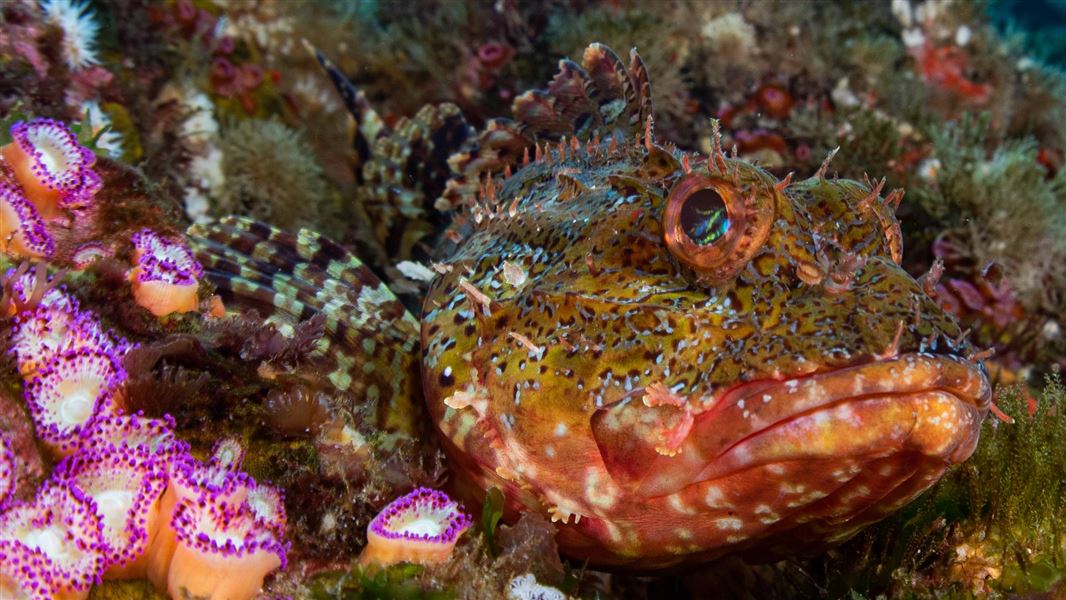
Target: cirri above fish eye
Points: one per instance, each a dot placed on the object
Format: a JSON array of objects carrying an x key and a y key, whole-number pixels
[{"x": 713, "y": 226}]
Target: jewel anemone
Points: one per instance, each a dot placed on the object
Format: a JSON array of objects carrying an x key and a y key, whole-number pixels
[
  {"x": 227, "y": 453},
  {"x": 193, "y": 481},
  {"x": 22, "y": 231},
  {"x": 222, "y": 552},
  {"x": 148, "y": 438},
  {"x": 63, "y": 526},
  {"x": 421, "y": 527},
  {"x": 7, "y": 472},
  {"x": 41, "y": 335},
  {"x": 68, "y": 391},
  {"x": 166, "y": 276},
  {"x": 28, "y": 290},
  {"x": 25, "y": 573},
  {"x": 55, "y": 171},
  {"x": 124, "y": 489}
]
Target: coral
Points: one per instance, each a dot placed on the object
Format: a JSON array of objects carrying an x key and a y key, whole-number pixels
[
  {"x": 1000, "y": 207},
  {"x": 271, "y": 174}
]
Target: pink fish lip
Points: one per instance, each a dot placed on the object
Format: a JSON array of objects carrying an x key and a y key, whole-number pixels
[{"x": 925, "y": 404}]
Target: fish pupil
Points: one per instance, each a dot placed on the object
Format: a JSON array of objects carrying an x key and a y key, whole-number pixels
[{"x": 704, "y": 218}]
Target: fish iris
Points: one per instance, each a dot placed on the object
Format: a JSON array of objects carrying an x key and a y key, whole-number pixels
[{"x": 704, "y": 218}]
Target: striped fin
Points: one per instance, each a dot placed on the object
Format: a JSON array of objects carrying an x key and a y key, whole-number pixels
[
  {"x": 404, "y": 169},
  {"x": 599, "y": 98},
  {"x": 371, "y": 341},
  {"x": 369, "y": 126}
]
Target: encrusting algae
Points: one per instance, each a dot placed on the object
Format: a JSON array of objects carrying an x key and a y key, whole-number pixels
[{"x": 650, "y": 332}]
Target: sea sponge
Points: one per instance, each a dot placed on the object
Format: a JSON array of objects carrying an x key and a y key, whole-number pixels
[{"x": 271, "y": 174}]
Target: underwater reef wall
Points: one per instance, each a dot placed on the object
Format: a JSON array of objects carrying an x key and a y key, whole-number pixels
[{"x": 220, "y": 223}]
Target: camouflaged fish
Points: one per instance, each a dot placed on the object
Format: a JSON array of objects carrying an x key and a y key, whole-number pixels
[{"x": 677, "y": 357}]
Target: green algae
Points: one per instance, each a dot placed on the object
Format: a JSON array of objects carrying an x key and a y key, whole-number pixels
[{"x": 125, "y": 590}]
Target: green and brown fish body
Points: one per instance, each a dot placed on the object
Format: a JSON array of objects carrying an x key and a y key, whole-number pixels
[
  {"x": 680, "y": 357},
  {"x": 809, "y": 388}
]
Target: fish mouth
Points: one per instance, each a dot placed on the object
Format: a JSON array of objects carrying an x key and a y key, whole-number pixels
[{"x": 919, "y": 404}]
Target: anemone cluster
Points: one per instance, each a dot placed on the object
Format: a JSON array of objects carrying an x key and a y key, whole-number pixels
[{"x": 126, "y": 499}]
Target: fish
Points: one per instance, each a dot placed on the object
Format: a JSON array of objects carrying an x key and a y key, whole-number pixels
[{"x": 676, "y": 357}]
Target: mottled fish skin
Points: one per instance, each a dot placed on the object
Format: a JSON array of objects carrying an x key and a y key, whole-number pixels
[
  {"x": 663, "y": 415},
  {"x": 370, "y": 346},
  {"x": 663, "y": 410}
]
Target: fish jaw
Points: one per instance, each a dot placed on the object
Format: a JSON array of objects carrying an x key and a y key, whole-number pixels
[
  {"x": 922, "y": 403},
  {"x": 797, "y": 465}
]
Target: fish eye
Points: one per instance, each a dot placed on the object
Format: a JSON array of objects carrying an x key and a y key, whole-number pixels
[
  {"x": 714, "y": 228},
  {"x": 704, "y": 218}
]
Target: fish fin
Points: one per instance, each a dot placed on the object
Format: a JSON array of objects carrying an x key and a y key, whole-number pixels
[
  {"x": 599, "y": 99},
  {"x": 368, "y": 124},
  {"x": 403, "y": 169},
  {"x": 371, "y": 341}
]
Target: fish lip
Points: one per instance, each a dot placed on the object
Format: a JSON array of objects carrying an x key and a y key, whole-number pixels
[
  {"x": 903, "y": 377},
  {"x": 750, "y": 410},
  {"x": 966, "y": 380}
]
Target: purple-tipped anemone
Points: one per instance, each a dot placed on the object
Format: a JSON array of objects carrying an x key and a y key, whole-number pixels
[
  {"x": 171, "y": 255},
  {"x": 61, "y": 524},
  {"x": 166, "y": 277},
  {"x": 88, "y": 253},
  {"x": 68, "y": 391},
  {"x": 41, "y": 335},
  {"x": 52, "y": 167},
  {"x": 421, "y": 527},
  {"x": 25, "y": 573},
  {"x": 22, "y": 231},
  {"x": 148, "y": 438},
  {"x": 27, "y": 290},
  {"x": 125, "y": 490},
  {"x": 227, "y": 453},
  {"x": 267, "y": 504},
  {"x": 7, "y": 471},
  {"x": 222, "y": 552},
  {"x": 194, "y": 481}
]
